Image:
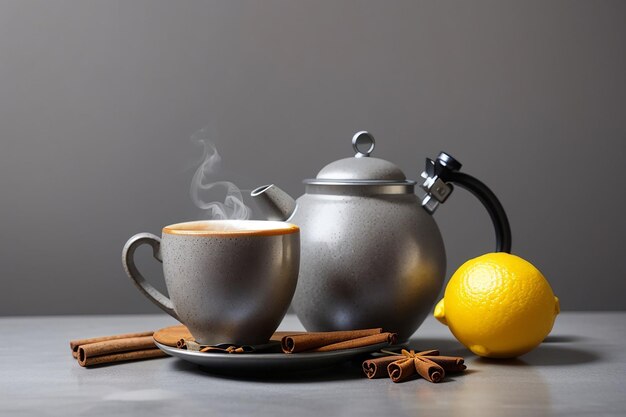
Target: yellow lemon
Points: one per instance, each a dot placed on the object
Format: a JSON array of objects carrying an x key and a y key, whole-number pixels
[{"x": 498, "y": 305}]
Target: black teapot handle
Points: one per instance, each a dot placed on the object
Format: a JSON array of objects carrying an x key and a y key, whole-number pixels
[{"x": 439, "y": 176}]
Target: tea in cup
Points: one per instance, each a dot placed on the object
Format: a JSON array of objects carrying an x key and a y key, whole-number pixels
[{"x": 229, "y": 281}]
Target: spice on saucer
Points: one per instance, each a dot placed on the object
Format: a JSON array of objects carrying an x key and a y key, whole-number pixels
[
  {"x": 192, "y": 345},
  {"x": 330, "y": 341},
  {"x": 289, "y": 341},
  {"x": 400, "y": 367}
]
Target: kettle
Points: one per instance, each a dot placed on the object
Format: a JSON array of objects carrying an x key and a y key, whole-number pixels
[{"x": 372, "y": 254}]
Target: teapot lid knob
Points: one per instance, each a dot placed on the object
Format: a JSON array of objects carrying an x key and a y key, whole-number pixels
[{"x": 362, "y": 140}]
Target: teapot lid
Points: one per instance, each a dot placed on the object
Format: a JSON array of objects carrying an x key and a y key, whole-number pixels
[{"x": 361, "y": 169}]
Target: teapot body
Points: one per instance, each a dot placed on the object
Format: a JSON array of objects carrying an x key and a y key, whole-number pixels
[
  {"x": 371, "y": 253},
  {"x": 367, "y": 261}
]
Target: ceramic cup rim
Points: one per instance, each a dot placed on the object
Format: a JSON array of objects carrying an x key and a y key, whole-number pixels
[{"x": 231, "y": 228}]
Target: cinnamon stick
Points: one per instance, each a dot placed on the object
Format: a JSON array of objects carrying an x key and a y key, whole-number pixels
[
  {"x": 401, "y": 369},
  {"x": 115, "y": 346},
  {"x": 377, "y": 368},
  {"x": 428, "y": 369},
  {"x": 74, "y": 344},
  {"x": 448, "y": 363},
  {"x": 309, "y": 341},
  {"x": 124, "y": 356},
  {"x": 374, "y": 339}
]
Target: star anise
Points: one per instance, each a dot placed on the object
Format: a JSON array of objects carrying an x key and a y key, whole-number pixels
[{"x": 400, "y": 367}]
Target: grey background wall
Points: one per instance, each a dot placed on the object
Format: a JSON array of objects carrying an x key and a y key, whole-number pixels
[{"x": 98, "y": 100}]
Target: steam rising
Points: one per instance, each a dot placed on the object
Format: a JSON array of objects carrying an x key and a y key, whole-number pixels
[{"x": 202, "y": 187}]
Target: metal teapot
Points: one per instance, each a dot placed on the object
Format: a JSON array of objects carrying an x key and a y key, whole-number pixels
[{"x": 372, "y": 254}]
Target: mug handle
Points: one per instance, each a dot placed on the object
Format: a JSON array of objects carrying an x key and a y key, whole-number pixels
[{"x": 128, "y": 260}]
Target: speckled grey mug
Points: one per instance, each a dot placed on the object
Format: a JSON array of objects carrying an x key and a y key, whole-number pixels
[{"x": 229, "y": 281}]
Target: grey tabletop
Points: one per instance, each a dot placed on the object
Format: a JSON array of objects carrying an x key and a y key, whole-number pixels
[{"x": 579, "y": 370}]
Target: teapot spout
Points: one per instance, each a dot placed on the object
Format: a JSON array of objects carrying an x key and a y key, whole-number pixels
[{"x": 274, "y": 202}]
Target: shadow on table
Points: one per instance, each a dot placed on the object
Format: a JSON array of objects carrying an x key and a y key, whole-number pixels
[
  {"x": 346, "y": 371},
  {"x": 546, "y": 354},
  {"x": 564, "y": 339}
]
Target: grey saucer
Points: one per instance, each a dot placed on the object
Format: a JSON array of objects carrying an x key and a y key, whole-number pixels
[{"x": 255, "y": 362}]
